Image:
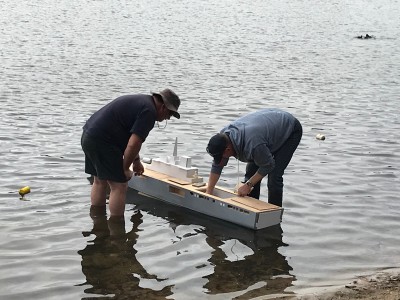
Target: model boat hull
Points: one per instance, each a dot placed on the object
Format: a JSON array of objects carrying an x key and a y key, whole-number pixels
[{"x": 224, "y": 204}]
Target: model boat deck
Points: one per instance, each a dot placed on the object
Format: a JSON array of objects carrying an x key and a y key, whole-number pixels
[{"x": 173, "y": 180}]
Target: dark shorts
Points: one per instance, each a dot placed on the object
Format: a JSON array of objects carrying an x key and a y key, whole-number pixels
[{"x": 102, "y": 159}]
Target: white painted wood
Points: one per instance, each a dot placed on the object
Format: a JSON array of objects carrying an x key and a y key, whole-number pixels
[{"x": 174, "y": 180}]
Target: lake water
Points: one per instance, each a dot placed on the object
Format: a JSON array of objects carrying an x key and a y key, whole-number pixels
[{"x": 61, "y": 61}]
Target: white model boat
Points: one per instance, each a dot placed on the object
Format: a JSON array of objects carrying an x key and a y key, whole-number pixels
[{"x": 175, "y": 181}]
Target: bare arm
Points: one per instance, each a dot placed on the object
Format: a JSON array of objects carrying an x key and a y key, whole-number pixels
[
  {"x": 131, "y": 153},
  {"x": 212, "y": 181}
]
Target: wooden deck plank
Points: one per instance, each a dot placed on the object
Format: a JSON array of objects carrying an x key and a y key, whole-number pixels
[{"x": 246, "y": 203}]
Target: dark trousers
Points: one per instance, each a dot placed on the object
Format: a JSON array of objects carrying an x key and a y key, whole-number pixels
[{"x": 282, "y": 158}]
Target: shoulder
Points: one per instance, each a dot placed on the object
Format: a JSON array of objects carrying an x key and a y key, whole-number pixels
[
  {"x": 137, "y": 102},
  {"x": 134, "y": 99}
]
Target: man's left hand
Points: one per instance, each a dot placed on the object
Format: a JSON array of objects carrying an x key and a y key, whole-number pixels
[{"x": 244, "y": 190}]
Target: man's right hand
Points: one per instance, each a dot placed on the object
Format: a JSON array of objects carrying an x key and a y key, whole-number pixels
[
  {"x": 138, "y": 168},
  {"x": 128, "y": 174}
]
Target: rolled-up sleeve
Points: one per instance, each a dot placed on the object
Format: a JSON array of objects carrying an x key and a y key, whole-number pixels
[
  {"x": 263, "y": 159},
  {"x": 217, "y": 169}
]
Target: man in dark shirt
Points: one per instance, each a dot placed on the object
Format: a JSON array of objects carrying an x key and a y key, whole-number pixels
[
  {"x": 112, "y": 138},
  {"x": 266, "y": 140}
]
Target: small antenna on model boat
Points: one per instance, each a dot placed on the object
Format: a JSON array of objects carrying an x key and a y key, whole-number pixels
[{"x": 175, "y": 154}]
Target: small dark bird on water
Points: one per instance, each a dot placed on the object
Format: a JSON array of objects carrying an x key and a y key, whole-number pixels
[{"x": 366, "y": 37}]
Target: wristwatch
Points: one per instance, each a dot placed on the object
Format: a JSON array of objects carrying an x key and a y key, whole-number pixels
[{"x": 249, "y": 183}]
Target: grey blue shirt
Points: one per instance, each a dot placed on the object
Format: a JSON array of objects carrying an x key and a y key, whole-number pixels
[{"x": 257, "y": 136}]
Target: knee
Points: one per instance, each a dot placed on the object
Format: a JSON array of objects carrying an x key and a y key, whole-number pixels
[
  {"x": 118, "y": 186},
  {"x": 99, "y": 182}
]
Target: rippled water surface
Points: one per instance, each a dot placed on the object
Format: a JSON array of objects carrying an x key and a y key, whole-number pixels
[{"x": 63, "y": 60}]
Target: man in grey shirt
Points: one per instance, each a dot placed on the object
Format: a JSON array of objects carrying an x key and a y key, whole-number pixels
[{"x": 266, "y": 140}]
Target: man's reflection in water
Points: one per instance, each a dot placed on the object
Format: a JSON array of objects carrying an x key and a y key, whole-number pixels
[
  {"x": 109, "y": 262},
  {"x": 265, "y": 265}
]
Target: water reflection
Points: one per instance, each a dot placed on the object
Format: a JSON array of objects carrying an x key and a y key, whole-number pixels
[
  {"x": 108, "y": 261},
  {"x": 243, "y": 262},
  {"x": 265, "y": 264}
]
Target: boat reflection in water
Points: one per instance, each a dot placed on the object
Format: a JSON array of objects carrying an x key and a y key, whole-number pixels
[{"x": 114, "y": 265}]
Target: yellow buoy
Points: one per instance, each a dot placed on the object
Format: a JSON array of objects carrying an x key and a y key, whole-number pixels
[{"x": 25, "y": 190}]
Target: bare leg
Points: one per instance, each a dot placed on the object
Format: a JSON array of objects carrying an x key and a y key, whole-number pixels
[
  {"x": 99, "y": 217},
  {"x": 117, "y": 198},
  {"x": 116, "y": 225},
  {"x": 98, "y": 211},
  {"x": 98, "y": 194}
]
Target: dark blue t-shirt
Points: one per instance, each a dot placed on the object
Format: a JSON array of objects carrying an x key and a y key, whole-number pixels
[{"x": 118, "y": 120}]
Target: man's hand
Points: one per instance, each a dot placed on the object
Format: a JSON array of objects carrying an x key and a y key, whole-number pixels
[
  {"x": 209, "y": 191},
  {"x": 137, "y": 167},
  {"x": 212, "y": 181},
  {"x": 128, "y": 174},
  {"x": 244, "y": 190}
]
